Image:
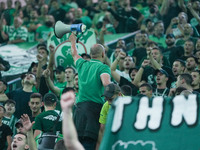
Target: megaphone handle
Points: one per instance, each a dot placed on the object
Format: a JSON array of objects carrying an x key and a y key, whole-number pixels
[{"x": 77, "y": 37}]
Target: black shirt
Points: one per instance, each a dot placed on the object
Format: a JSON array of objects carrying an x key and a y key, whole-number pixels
[
  {"x": 4, "y": 132},
  {"x": 124, "y": 81}
]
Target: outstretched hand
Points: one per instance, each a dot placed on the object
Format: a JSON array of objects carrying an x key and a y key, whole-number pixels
[
  {"x": 26, "y": 122},
  {"x": 67, "y": 100}
]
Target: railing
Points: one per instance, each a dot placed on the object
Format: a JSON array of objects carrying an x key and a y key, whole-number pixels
[{"x": 14, "y": 84}]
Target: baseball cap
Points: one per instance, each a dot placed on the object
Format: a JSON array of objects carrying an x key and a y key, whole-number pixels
[
  {"x": 162, "y": 71},
  {"x": 50, "y": 97},
  {"x": 60, "y": 69},
  {"x": 10, "y": 101},
  {"x": 111, "y": 89},
  {"x": 3, "y": 107},
  {"x": 18, "y": 124},
  {"x": 170, "y": 35}
]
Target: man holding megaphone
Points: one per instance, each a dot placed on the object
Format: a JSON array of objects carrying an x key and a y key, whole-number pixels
[{"x": 93, "y": 77}]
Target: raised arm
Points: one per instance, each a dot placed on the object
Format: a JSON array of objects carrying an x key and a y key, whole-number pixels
[
  {"x": 50, "y": 84},
  {"x": 193, "y": 12},
  {"x": 69, "y": 132},
  {"x": 181, "y": 4},
  {"x": 140, "y": 72},
  {"x": 51, "y": 60},
  {"x": 39, "y": 70},
  {"x": 28, "y": 127},
  {"x": 113, "y": 67},
  {"x": 164, "y": 8},
  {"x": 153, "y": 62},
  {"x": 75, "y": 54}
]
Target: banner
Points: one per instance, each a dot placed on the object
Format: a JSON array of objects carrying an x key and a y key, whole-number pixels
[
  {"x": 158, "y": 124},
  {"x": 20, "y": 56},
  {"x": 63, "y": 55}
]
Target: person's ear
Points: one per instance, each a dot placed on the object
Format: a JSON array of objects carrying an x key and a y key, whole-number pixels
[{"x": 103, "y": 54}]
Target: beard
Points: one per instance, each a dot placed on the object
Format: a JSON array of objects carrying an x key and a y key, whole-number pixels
[{"x": 170, "y": 43}]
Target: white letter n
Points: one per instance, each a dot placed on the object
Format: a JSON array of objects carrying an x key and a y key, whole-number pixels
[{"x": 186, "y": 108}]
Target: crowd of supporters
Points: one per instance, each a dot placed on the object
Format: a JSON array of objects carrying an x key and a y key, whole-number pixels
[{"x": 163, "y": 59}]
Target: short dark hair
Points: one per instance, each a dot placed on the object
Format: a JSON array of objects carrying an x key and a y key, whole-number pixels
[
  {"x": 9, "y": 101},
  {"x": 157, "y": 48},
  {"x": 36, "y": 95},
  {"x": 22, "y": 134},
  {"x": 70, "y": 67},
  {"x": 147, "y": 85},
  {"x": 43, "y": 48},
  {"x": 67, "y": 89},
  {"x": 187, "y": 77},
  {"x": 195, "y": 58},
  {"x": 181, "y": 62}
]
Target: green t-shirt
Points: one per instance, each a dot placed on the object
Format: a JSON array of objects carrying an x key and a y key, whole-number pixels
[
  {"x": 90, "y": 85},
  {"x": 104, "y": 113},
  {"x": 61, "y": 85},
  {"x": 46, "y": 120},
  {"x": 161, "y": 41},
  {"x": 43, "y": 32}
]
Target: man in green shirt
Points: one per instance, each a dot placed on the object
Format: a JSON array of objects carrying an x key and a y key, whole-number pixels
[
  {"x": 47, "y": 120},
  {"x": 93, "y": 77}
]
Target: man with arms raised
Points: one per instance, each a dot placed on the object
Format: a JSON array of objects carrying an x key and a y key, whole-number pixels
[{"x": 93, "y": 77}]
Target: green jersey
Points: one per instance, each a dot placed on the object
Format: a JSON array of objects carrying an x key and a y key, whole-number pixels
[
  {"x": 46, "y": 120},
  {"x": 11, "y": 123},
  {"x": 90, "y": 85},
  {"x": 43, "y": 32}
]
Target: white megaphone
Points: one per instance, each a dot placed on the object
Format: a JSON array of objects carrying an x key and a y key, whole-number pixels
[{"x": 60, "y": 28}]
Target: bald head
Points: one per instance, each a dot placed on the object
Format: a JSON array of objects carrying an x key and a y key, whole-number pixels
[{"x": 97, "y": 51}]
